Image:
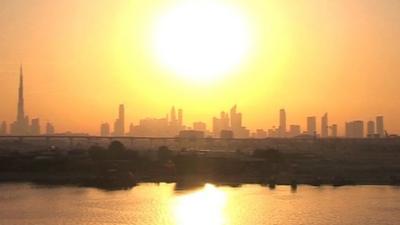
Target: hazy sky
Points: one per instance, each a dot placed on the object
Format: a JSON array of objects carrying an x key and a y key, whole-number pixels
[{"x": 83, "y": 58}]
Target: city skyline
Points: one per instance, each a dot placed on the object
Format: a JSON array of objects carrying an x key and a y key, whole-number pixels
[
  {"x": 172, "y": 124},
  {"x": 95, "y": 56},
  {"x": 199, "y": 112}
]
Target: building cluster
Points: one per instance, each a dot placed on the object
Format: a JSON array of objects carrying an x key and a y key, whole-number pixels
[
  {"x": 294, "y": 130},
  {"x": 353, "y": 129},
  {"x": 375, "y": 129},
  {"x": 227, "y": 125},
  {"x": 22, "y": 125},
  {"x": 169, "y": 126}
]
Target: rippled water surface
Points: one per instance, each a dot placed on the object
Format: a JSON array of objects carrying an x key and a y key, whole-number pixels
[{"x": 148, "y": 204}]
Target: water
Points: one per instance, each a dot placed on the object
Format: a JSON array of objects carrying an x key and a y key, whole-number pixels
[{"x": 150, "y": 204}]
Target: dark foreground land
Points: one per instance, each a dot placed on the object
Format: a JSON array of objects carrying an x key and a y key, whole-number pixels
[{"x": 117, "y": 167}]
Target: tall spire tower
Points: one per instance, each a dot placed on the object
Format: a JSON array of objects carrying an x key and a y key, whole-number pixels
[
  {"x": 20, "y": 110},
  {"x": 21, "y": 125}
]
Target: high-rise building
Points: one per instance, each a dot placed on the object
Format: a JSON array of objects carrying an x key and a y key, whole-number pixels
[
  {"x": 324, "y": 126},
  {"x": 221, "y": 123},
  {"x": 104, "y": 129},
  {"x": 334, "y": 130},
  {"x": 21, "y": 125},
  {"x": 35, "y": 127},
  {"x": 354, "y": 129},
  {"x": 172, "y": 116},
  {"x": 380, "y": 129},
  {"x": 294, "y": 130},
  {"x": 236, "y": 119},
  {"x": 3, "y": 128},
  {"x": 370, "y": 128},
  {"x": 176, "y": 122},
  {"x": 180, "y": 118},
  {"x": 50, "y": 129},
  {"x": 119, "y": 124},
  {"x": 236, "y": 124},
  {"x": 152, "y": 127},
  {"x": 282, "y": 123},
  {"x": 311, "y": 125},
  {"x": 131, "y": 131}
]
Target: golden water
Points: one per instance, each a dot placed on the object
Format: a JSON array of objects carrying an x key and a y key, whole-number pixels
[{"x": 151, "y": 204}]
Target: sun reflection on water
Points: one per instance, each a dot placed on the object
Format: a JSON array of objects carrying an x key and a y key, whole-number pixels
[{"x": 205, "y": 206}]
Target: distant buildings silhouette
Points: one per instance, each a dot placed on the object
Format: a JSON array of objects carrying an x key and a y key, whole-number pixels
[
  {"x": 227, "y": 125},
  {"x": 22, "y": 125},
  {"x": 324, "y": 126}
]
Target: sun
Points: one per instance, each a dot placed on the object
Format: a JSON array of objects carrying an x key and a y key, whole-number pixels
[{"x": 201, "y": 40}]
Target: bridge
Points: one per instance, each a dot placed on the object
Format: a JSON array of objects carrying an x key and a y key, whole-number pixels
[{"x": 207, "y": 142}]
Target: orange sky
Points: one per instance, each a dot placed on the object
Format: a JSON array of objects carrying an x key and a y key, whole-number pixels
[{"x": 83, "y": 58}]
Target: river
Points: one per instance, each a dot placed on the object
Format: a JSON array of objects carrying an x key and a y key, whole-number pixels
[{"x": 162, "y": 204}]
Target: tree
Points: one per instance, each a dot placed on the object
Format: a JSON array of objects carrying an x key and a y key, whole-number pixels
[
  {"x": 116, "y": 146},
  {"x": 164, "y": 154}
]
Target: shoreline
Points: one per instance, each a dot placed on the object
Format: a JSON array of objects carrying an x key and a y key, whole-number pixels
[{"x": 182, "y": 182}]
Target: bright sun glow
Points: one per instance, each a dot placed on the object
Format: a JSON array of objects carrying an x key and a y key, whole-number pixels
[
  {"x": 202, "y": 207},
  {"x": 201, "y": 40}
]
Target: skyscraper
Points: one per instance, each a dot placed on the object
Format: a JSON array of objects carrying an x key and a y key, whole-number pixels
[
  {"x": 119, "y": 124},
  {"x": 50, "y": 129},
  {"x": 282, "y": 123},
  {"x": 35, "y": 127},
  {"x": 294, "y": 130},
  {"x": 236, "y": 118},
  {"x": 104, "y": 129},
  {"x": 380, "y": 129},
  {"x": 21, "y": 125},
  {"x": 180, "y": 118},
  {"x": 354, "y": 129},
  {"x": 371, "y": 129},
  {"x": 311, "y": 125},
  {"x": 334, "y": 130},
  {"x": 236, "y": 124},
  {"x": 173, "y": 120},
  {"x": 324, "y": 126},
  {"x": 3, "y": 128}
]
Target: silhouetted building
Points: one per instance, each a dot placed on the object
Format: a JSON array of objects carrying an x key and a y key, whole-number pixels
[
  {"x": 191, "y": 134},
  {"x": 236, "y": 124},
  {"x": 151, "y": 127},
  {"x": 131, "y": 131},
  {"x": 119, "y": 125},
  {"x": 282, "y": 123},
  {"x": 176, "y": 122},
  {"x": 180, "y": 118},
  {"x": 311, "y": 125},
  {"x": 334, "y": 130},
  {"x": 50, "y": 129},
  {"x": 226, "y": 134},
  {"x": 3, "y": 128},
  {"x": 173, "y": 120},
  {"x": 354, "y": 129},
  {"x": 236, "y": 119},
  {"x": 324, "y": 126},
  {"x": 35, "y": 127},
  {"x": 199, "y": 126},
  {"x": 105, "y": 129},
  {"x": 371, "y": 129},
  {"x": 21, "y": 125},
  {"x": 273, "y": 132},
  {"x": 294, "y": 130},
  {"x": 221, "y": 123},
  {"x": 380, "y": 129}
]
